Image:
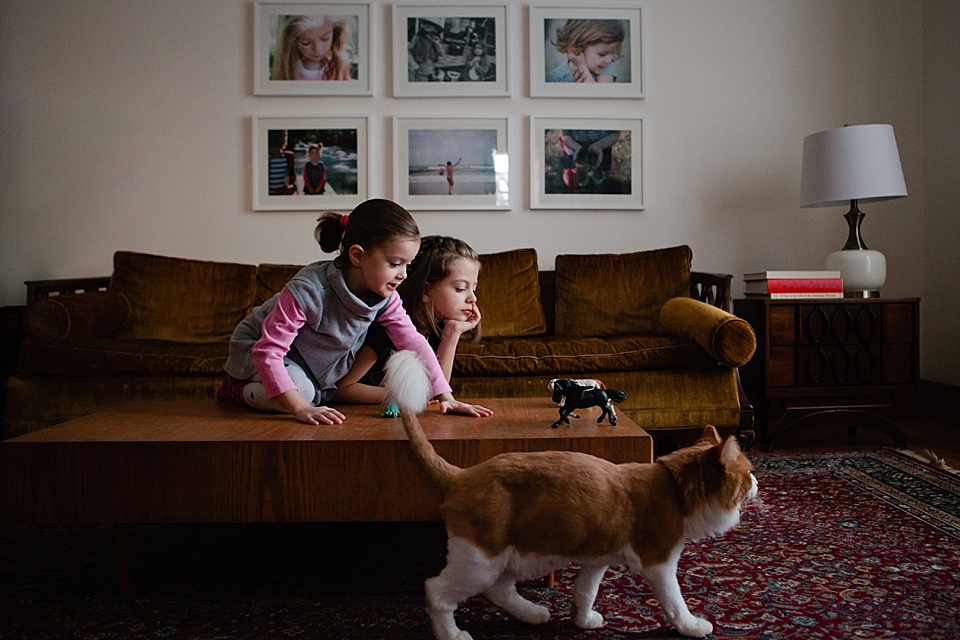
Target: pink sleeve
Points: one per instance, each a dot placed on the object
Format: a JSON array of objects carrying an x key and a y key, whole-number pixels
[
  {"x": 279, "y": 329},
  {"x": 405, "y": 337}
]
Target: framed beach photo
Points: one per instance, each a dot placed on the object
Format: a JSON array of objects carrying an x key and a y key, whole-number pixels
[
  {"x": 443, "y": 50},
  {"x": 586, "y": 52},
  {"x": 456, "y": 163},
  {"x": 311, "y": 49},
  {"x": 586, "y": 163},
  {"x": 309, "y": 164}
]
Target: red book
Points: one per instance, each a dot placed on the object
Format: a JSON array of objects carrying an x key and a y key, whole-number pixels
[{"x": 800, "y": 285}]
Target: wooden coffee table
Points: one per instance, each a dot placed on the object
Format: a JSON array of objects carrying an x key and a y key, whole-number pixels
[{"x": 200, "y": 461}]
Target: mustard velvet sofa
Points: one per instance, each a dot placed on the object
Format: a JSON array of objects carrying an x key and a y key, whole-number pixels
[{"x": 159, "y": 326}]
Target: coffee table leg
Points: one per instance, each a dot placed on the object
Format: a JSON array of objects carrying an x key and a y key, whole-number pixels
[{"x": 124, "y": 548}]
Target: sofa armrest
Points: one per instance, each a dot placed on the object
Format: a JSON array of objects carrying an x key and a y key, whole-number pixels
[
  {"x": 724, "y": 336},
  {"x": 41, "y": 289},
  {"x": 76, "y": 316}
]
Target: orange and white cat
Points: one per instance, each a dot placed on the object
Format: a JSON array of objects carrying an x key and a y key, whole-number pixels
[{"x": 518, "y": 516}]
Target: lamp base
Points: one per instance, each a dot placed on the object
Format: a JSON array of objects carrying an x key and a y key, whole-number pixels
[{"x": 864, "y": 271}]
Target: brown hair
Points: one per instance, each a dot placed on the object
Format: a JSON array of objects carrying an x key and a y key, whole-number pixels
[
  {"x": 579, "y": 33},
  {"x": 371, "y": 224},
  {"x": 433, "y": 263}
]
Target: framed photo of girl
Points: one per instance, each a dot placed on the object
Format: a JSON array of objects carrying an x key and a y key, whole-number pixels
[
  {"x": 311, "y": 49},
  {"x": 445, "y": 51},
  {"x": 586, "y": 163},
  {"x": 448, "y": 164},
  {"x": 309, "y": 164},
  {"x": 586, "y": 53}
]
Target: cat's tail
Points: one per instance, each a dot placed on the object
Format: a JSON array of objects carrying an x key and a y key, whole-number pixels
[{"x": 408, "y": 386}]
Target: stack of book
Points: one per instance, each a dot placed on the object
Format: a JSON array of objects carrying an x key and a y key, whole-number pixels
[{"x": 793, "y": 284}]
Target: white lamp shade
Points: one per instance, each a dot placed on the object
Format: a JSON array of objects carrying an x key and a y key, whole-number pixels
[{"x": 859, "y": 162}]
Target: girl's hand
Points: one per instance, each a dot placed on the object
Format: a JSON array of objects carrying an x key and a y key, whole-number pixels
[
  {"x": 318, "y": 415},
  {"x": 449, "y": 404},
  {"x": 598, "y": 152},
  {"x": 578, "y": 66},
  {"x": 457, "y": 327}
]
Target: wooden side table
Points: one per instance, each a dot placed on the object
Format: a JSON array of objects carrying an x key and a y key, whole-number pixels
[{"x": 856, "y": 357}]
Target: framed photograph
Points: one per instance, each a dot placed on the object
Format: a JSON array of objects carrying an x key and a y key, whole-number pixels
[
  {"x": 586, "y": 53},
  {"x": 456, "y": 163},
  {"x": 311, "y": 49},
  {"x": 450, "y": 51},
  {"x": 586, "y": 163},
  {"x": 308, "y": 164}
]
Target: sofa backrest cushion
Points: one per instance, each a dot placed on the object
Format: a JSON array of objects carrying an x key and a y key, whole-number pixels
[
  {"x": 618, "y": 294},
  {"x": 182, "y": 300},
  {"x": 508, "y": 294},
  {"x": 271, "y": 278}
]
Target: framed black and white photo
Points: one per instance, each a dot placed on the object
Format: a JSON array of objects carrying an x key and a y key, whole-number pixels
[
  {"x": 443, "y": 51},
  {"x": 303, "y": 164},
  {"x": 586, "y": 163},
  {"x": 448, "y": 164},
  {"x": 306, "y": 49},
  {"x": 589, "y": 52}
]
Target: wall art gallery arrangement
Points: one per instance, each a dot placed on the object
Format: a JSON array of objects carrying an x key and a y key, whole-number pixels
[{"x": 323, "y": 49}]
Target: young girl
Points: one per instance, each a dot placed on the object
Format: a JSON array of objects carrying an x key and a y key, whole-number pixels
[
  {"x": 310, "y": 48},
  {"x": 440, "y": 296},
  {"x": 592, "y": 48},
  {"x": 292, "y": 351}
]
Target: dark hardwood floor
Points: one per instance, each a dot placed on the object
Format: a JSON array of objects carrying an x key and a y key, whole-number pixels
[{"x": 922, "y": 433}]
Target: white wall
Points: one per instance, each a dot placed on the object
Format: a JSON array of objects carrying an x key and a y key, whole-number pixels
[
  {"x": 126, "y": 125},
  {"x": 941, "y": 167}
]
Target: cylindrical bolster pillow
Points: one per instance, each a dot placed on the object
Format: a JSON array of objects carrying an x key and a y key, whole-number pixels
[
  {"x": 724, "y": 336},
  {"x": 76, "y": 316}
]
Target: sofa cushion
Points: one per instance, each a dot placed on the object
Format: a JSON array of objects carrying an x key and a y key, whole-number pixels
[
  {"x": 182, "y": 300},
  {"x": 618, "y": 294},
  {"x": 508, "y": 294},
  {"x": 95, "y": 314},
  {"x": 271, "y": 278},
  {"x": 548, "y": 355},
  {"x": 115, "y": 358}
]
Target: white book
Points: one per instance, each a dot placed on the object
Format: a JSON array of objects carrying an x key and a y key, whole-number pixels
[
  {"x": 795, "y": 295},
  {"x": 791, "y": 275}
]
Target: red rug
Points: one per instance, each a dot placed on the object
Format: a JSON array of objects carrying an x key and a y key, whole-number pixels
[{"x": 842, "y": 545}]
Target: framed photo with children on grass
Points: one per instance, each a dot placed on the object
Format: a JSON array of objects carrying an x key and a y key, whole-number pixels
[
  {"x": 307, "y": 49},
  {"x": 309, "y": 164},
  {"x": 586, "y": 163},
  {"x": 449, "y": 164},
  {"x": 587, "y": 52},
  {"x": 445, "y": 51}
]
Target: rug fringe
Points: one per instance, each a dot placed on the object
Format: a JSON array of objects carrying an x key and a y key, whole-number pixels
[{"x": 930, "y": 457}]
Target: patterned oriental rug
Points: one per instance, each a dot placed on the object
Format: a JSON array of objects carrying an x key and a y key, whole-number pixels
[{"x": 843, "y": 545}]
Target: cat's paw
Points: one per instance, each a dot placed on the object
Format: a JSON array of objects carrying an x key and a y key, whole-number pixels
[
  {"x": 588, "y": 620},
  {"x": 696, "y": 628},
  {"x": 536, "y": 614}
]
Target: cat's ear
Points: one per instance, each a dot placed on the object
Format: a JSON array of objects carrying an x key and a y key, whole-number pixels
[
  {"x": 729, "y": 452},
  {"x": 710, "y": 435}
]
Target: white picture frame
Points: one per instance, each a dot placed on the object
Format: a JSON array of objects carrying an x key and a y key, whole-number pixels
[
  {"x": 352, "y": 21},
  {"x": 344, "y": 156},
  {"x": 433, "y": 56},
  {"x": 563, "y": 177},
  {"x": 474, "y": 148},
  {"x": 546, "y": 60}
]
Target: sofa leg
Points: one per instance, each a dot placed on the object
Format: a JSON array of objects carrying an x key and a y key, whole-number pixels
[{"x": 124, "y": 551}]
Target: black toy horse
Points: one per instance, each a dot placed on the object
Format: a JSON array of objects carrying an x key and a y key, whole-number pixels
[{"x": 578, "y": 397}]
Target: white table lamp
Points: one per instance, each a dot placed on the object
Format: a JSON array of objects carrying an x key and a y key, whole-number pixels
[{"x": 853, "y": 164}]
